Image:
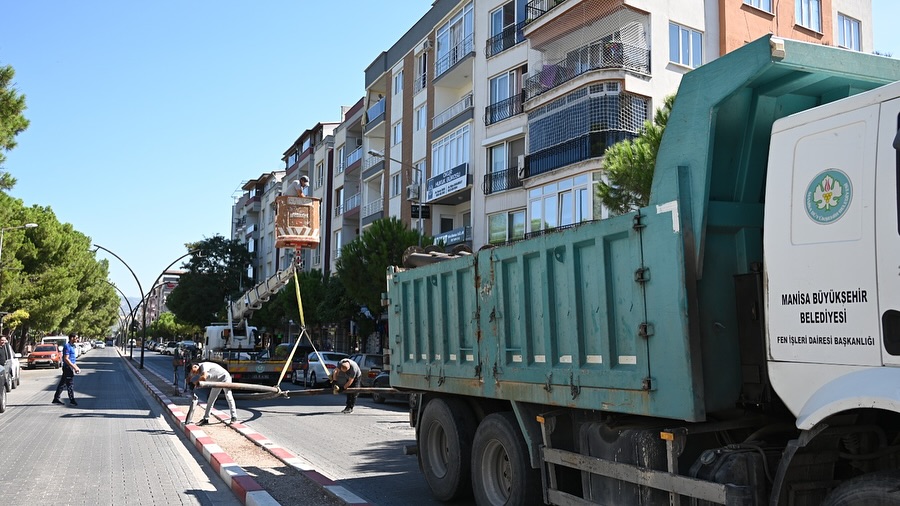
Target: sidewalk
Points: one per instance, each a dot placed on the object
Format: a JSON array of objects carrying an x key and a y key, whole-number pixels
[{"x": 258, "y": 471}]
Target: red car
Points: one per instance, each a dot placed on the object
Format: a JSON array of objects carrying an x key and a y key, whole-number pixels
[{"x": 45, "y": 355}]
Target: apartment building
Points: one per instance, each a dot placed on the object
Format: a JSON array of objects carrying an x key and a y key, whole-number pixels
[
  {"x": 494, "y": 115},
  {"x": 349, "y": 156},
  {"x": 253, "y": 222}
]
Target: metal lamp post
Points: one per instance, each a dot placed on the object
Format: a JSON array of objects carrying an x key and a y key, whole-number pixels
[
  {"x": 421, "y": 178},
  {"x": 140, "y": 289}
]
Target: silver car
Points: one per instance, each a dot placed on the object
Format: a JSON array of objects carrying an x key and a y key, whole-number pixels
[{"x": 321, "y": 365}]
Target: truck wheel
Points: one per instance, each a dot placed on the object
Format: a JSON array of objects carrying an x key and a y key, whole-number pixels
[
  {"x": 874, "y": 488},
  {"x": 501, "y": 469},
  {"x": 445, "y": 448}
]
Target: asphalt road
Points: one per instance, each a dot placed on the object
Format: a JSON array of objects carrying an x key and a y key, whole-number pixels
[{"x": 363, "y": 451}]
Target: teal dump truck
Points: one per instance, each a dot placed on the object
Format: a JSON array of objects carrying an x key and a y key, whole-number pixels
[{"x": 737, "y": 341}]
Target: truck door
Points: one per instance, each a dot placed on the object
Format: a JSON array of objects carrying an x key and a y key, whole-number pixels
[{"x": 888, "y": 230}]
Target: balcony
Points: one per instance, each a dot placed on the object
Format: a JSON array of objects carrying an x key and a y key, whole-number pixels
[
  {"x": 375, "y": 115},
  {"x": 456, "y": 54},
  {"x": 467, "y": 102},
  {"x": 420, "y": 82},
  {"x": 504, "y": 109},
  {"x": 537, "y": 8},
  {"x": 509, "y": 37},
  {"x": 351, "y": 205},
  {"x": 502, "y": 180},
  {"x": 372, "y": 208},
  {"x": 597, "y": 56},
  {"x": 354, "y": 156},
  {"x": 338, "y": 209},
  {"x": 591, "y": 145}
]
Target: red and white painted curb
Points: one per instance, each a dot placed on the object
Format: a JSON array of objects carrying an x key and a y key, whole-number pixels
[{"x": 245, "y": 488}]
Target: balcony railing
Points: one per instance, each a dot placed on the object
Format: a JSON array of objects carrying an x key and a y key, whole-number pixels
[
  {"x": 338, "y": 209},
  {"x": 509, "y": 37},
  {"x": 373, "y": 207},
  {"x": 354, "y": 156},
  {"x": 504, "y": 109},
  {"x": 371, "y": 161},
  {"x": 454, "y": 55},
  {"x": 597, "y": 56},
  {"x": 375, "y": 112},
  {"x": 352, "y": 202},
  {"x": 502, "y": 180},
  {"x": 453, "y": 111},
  {"x": 537, "y": 8},
  {"x": 420, "y": 82},
  {"x": 587, "y": 146}
]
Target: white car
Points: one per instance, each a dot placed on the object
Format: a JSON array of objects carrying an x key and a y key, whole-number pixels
[
  {"x": 13, "y": 368},
  {"x": 321, "y": 366}
]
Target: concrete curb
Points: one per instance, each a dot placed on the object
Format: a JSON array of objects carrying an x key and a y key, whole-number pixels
[{"x": 245, "y": 488}]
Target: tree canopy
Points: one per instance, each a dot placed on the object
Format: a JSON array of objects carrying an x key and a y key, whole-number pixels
[
  {"x": 362, "y": 266},
  {"x": 12, "y": 121},
  {"x": 215, "y": 276},
  {"x": 629, "y": 165}
]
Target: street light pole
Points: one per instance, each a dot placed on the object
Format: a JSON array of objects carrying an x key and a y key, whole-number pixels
[
  {"x": 140, "y": 289},
  {"x": 419, "y": 174}
]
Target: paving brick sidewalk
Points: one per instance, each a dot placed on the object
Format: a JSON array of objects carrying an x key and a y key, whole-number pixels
[{"x": 258, "y": 471}]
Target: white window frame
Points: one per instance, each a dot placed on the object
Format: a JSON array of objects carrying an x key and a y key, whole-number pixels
[
  {"x": 451, "y": 150},
  {"x": 809, "y": 14},
  {"x": 395, "y": 184},
  {"x": 849, "y": 30},
  {"x": 421, "y": 117},
  {"x": 398, "y": 82},
  {"x": 503, "y": 223},
  {"x": 763, "y": 5},
  {"x": 560, "y": 204},
  {"x": 678, "y": 53},
  {"x": 396, "y": 133}
]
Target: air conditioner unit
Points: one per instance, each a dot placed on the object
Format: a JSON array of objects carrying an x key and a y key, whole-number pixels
[
  {"x": 427, "y": 45},
  {"x": 412, "y": 192}
]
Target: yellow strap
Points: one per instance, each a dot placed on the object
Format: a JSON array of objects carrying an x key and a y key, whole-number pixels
[{"x": 290, "y": 357}]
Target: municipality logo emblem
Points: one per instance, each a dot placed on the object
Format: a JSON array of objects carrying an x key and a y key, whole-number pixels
[{"x": 828, "y": 196}]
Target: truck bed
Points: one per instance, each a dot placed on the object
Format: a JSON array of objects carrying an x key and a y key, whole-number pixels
[{"x": 638, "y": 313}]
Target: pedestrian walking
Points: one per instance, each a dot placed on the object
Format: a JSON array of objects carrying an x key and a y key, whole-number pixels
[
  {"x": 211, "y": 371},
  {"x": 346, "y": 376},
  {"x": 69, "y": 370}
]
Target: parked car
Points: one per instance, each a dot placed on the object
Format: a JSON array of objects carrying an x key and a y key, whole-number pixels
[
  {"x": 370, "y": 364},
  {"x": 13, "y": 369},
  {"x": 321, "y": 365},
  {"x": 99, "y": 344},
  {"x": 171, "y": 348},
  {"x": 383, "y": 380},
  {"x": 45, "y": 355}
]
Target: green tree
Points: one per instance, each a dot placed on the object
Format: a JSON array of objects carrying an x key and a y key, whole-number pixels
[
  {"x": 362, "y": 267},
  {"x": 213, "y": 279},
  {"x": 629, "y": 165},
  {"x": 12, "y": 120}
]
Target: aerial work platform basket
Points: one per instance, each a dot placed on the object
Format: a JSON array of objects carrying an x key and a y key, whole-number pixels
[{"x": 296, "y": 222}]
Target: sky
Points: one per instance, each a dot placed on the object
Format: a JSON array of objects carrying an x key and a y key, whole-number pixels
[{"x": 147, "y": 117}]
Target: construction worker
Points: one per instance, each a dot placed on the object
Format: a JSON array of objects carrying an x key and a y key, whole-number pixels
[{"x": 346, "y": 376}]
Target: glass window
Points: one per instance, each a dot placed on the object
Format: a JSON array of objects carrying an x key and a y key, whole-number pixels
[
  {"x": 848, "y": 32},
  {"x": 396, "y": 133},
  {"x": 560, "y": 204},
  {"x": 421, "y": 118},
  {"x": 504, "y": 227},
  {"x": 685, "y": 46},
  {"x": 398, "y": 82},
  {"x": 497, "y": 158},
  {"x": 765, "y": 5},
  {"x": 395, "y": 185},
  {"x": 503, "y": 17},
  {"x": 450, "y": 151},
  {"x": 809, "y": 14}
]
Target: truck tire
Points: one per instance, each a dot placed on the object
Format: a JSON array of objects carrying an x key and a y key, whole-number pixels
[
  {"x": 445, "y": 448},
  {"x": 501, "y": 469},
  {"x": 881, "y": 488}
]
